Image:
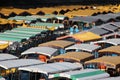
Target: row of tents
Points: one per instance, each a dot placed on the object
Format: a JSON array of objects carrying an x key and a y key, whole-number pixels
[
  {"x": 67, "y": 51},
  {"x": 25, "y": 69},
  {"x": 89, "y": 52},
  {"x": 110, "y": 62}
]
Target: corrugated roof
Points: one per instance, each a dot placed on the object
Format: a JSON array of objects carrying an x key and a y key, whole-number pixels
[
  {"x": 109, "y": 27},
  {"x": 86, "y": 36},
  {"x": 88, "y": 19},
  {"x": 4, "y": 56},
  {"x": 83, "y": 46},
  {"x": 40, "y": 50},
  {"x": 52, "y": 67},
  {"x": 112, "y": 49},
  {"x": 106, "y": 17},
  {"x": 99, "y": 31},
  {"x": 114, "y": 41},
  {"x": 19, "y": 63},
  {"x": 58, "y": 43},
  {"x": 112, "y": 60},
  {"x": 78, "y": 56}
]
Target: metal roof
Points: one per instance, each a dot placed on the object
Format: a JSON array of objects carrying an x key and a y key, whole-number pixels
[
  {"x": 109, "y": 27},
  {"x": 88, "y": 19},
  {"x": 85, "y": 47},
  {"x": 99, "y": 31},
  {"x": 114, "y": 41},
  {"x": 5, "y": 56},
  {"x": 19, "y": 63},
  {"x": 40, "y": 50},
  {"x": 52, "y": 67}
]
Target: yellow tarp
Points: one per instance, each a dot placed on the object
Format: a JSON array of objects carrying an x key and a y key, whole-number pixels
[
  {"x": 51, "y": 28},
  {"x": 3, "y": 46},
  {"x": 110, "y": 50},
  {"x": 3, "y": 21},
  {"x": 106, "y": 60},
  {"x": 58, "y": 43},
  {"x": 6, "y": 21},
  {"x": 86, "y": 36},
  {"x": 78, "y": 56},
  {"x": 15, "y": 22}
]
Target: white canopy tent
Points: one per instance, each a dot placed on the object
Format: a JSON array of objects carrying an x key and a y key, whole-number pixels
[
  {"x": 19, "y": 63},
  {"x": 49, "y": 51},
  {"x": 86, "y": 74},
  {"x": 5, "y": 56},
  {"x": 114, "y": 41},
  {"x": 85, "y": 47},
  {"x": 52, "y": 68}
]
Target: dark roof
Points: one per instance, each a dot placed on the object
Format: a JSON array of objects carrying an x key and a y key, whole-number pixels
[
  {"x": 117, "y": 24},
  {"x": 88, "y": 19},
  {"x": 109, "y": 27},
  {"x": 106, "y": 17},
  {"x": 99, "y": 31}
]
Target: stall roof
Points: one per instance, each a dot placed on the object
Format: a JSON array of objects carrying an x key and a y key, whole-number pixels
[
  {"x": 109, "y": 27},
  {"x": 13, "y": 36},
  {"x": 88, "y": 19},
  {"x": 78, "y": 56},
  {"x": 47, "y": 25},
  {"x": 106, "y": 17},
  {"x": 21, "y": 33},
  {"x": 112, "y": 49},
  {"x": 114, "y": 41},
  {"x": 4, "y": 45},
  {"x": 117, "y": 24},
  {"x": 20, "y": 28},
  {"x": 19, "y": 63},
  {"x": 10, "y": 39},
  {"x": 99, "y": 31},
  {"x": 112, "y": 60},
  {"x": 17, "y": 34},
  {"x": 52, "y": 67},
  {"x": 86, "y": 36},
  {"x": 83, "y": 46},
  {"x": 86, "y": 74},
  {"x": 111, "y": 78},
  {"x": 58, "y": 43},
  {"x": 5, "y": 56},
  {"x": 26, "y": 32},
  {"x": 40, "y": 50}
]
